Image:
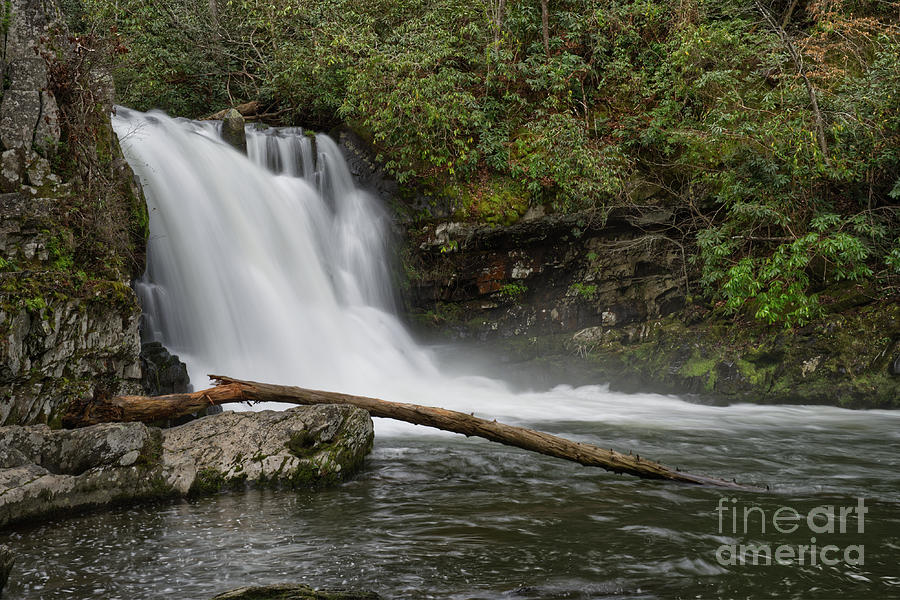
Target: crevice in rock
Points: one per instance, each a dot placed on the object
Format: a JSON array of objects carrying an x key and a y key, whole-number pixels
[{"x": 37, "y": 123}]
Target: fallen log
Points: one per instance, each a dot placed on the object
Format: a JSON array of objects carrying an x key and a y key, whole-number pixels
[{"x": 229, "y": 390}]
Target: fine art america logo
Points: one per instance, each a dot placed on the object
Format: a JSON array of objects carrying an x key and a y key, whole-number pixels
[{"x": 827, "y": 519}]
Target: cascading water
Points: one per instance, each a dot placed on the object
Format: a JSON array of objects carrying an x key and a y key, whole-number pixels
[{"x": 277, "y": 276}]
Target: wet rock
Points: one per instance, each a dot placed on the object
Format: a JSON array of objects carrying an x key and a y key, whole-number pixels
[
  {"x": 233, "y": 130},
  {"x": 6, "y": 564},
  {"x": 303, "y": 446},
  {"x": 895, "y": 367},
  {"x": 44, "y": 472},
  {"x": 292, "y": 591},
  {"x": 368, "y": 172},
  {"x": 544, "y": 275},
  {"x": 162, "y": 372}
]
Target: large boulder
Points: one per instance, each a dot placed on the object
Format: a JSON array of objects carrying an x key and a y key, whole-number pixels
[
  {"x": 307, "y": 445},
  {"x": 233, "y": 130},
  {"x": 43, "y": 471}
]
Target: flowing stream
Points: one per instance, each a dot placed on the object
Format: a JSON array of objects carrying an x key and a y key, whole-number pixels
[{"x": 278, "y": 269}]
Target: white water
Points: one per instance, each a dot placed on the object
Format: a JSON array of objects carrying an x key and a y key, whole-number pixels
[{"x": 284, "y": 278}]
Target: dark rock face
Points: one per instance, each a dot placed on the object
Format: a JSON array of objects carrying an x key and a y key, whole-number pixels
[
  {"x": 6, "y": 564},
  {"x": 548, "y": 275},
  {"x": 605, "y": 302},
  {"x": 162, "y": 372},
  {"x": 44, "y": 472},
  {"x": 895, "y": 367},
  {"x": 366, "y": 170},
  {"x": 290, "y": 591}
]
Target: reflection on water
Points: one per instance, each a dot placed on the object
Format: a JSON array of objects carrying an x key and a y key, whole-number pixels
[{"x": 449, "y": 517}]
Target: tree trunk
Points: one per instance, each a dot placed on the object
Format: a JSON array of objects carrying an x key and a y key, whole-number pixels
[
  {"x": 498, "y": 25},
  {"x": 545, "y": 24},
  {"x": 149, "y": 409},
  {"x": 213, "y": 13},
  {"x": 788, "y": 14}
]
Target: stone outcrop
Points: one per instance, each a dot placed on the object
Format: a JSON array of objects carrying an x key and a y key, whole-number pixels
[
  {"x": 61, "y": 350},
  {"x": 292, "y": 591},
  {"x": 367, "y": 171},
  {"x": 29, "y": 116},
  {"x": 43, "y": 471},
  {"x": 233, "y": 130},
  {"x": 843, "y": 360}
]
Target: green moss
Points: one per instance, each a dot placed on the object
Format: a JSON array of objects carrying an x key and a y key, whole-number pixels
[
  {"x": 584, "y": 291},
  {"x": 303, "y": 443},
  {"x": 698, "y": 366},
  {"x": 496, "y": 200},
  {"x": 443, "y": 313},
  {"x": 757, "y": 376},
  {"x": 208, "y": 481},
  {"x": 513, "y": 291}
]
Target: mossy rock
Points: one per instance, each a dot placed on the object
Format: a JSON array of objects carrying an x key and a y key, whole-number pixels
[{"x": 495, "y": 200}]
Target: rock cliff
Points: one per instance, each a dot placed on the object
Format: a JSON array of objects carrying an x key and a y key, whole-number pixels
[{"x": 70, "y": 236}]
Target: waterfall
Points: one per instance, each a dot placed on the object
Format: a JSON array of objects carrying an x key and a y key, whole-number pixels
[
  {"x": 276, "y": 269},
  {"x": 273, "y": 268}
]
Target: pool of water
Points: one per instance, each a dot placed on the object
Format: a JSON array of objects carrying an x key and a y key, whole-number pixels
[{"x": 443, "y": 516}]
